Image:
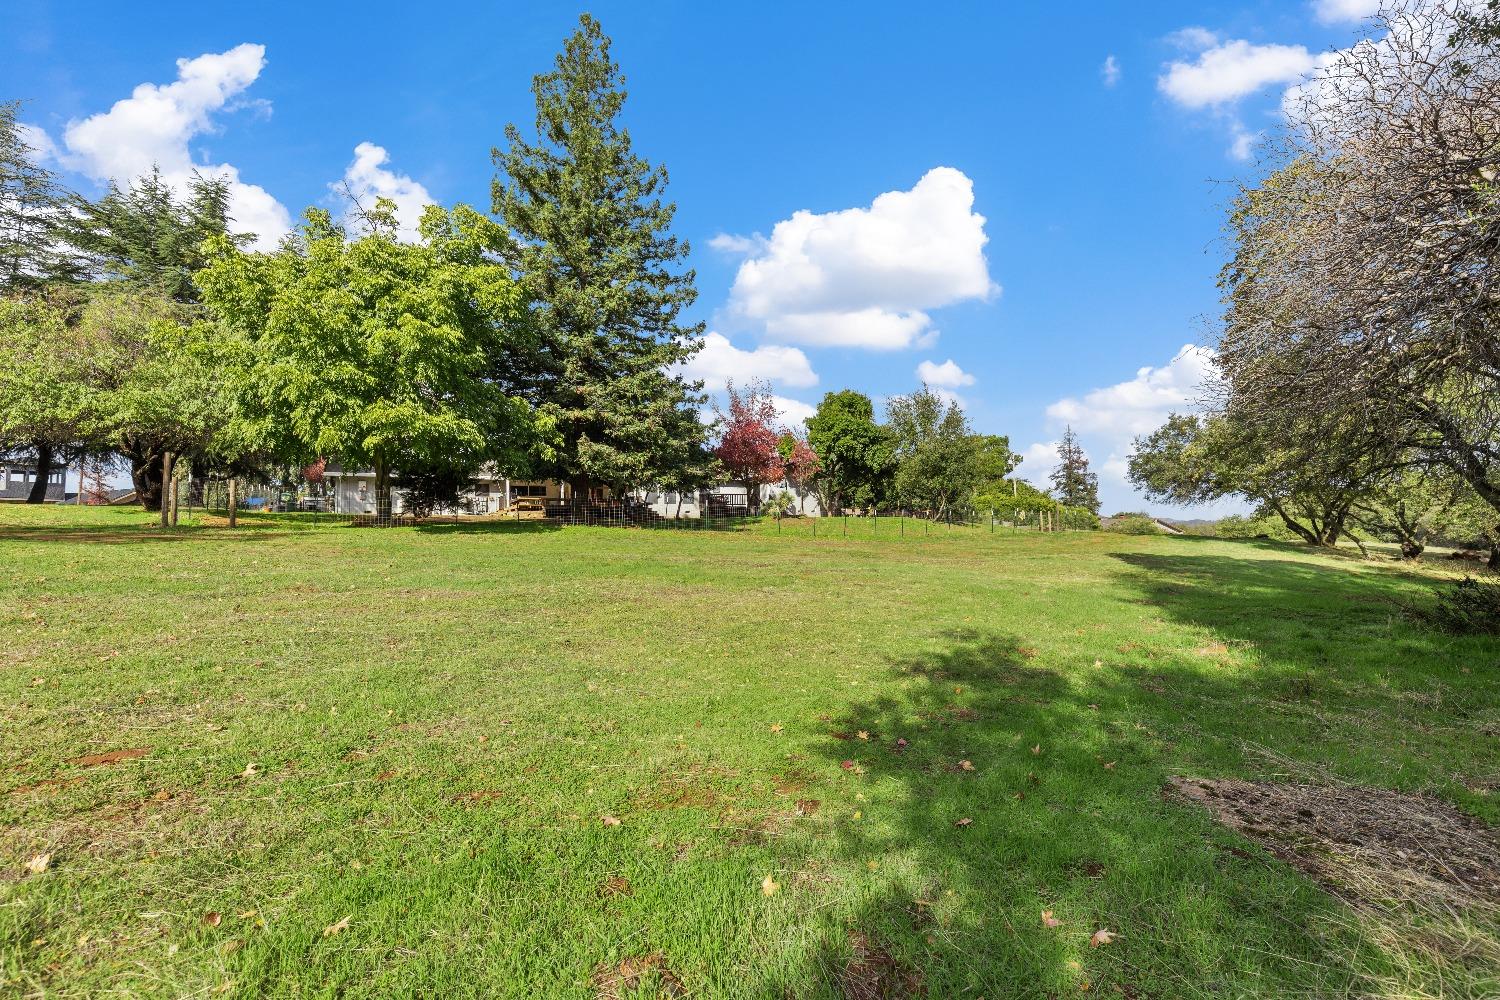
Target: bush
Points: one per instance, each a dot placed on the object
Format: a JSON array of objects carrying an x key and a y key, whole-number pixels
[
  {"x": 1133, "y": 524},
  {"x": 1467, "y": 607},
  {"x": 1239, "y": 526}
]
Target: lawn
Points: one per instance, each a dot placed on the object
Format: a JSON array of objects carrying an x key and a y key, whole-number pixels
[{"x": 507, "y": 760}]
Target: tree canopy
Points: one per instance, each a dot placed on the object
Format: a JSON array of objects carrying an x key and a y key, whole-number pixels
[
  {"x": 374, "y": 351},
  {"x": 587, "y": 231}
]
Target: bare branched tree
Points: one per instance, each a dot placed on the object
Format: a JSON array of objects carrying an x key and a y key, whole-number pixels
[{"x": 1363, "y": 279}]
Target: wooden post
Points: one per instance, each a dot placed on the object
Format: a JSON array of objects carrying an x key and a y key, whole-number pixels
[
  {"x": 173, "y": 495},
  {"x": 234, "y": 502},
  {"x": 166, "y": 479}
]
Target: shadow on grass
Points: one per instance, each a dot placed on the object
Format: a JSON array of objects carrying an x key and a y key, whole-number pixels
[
  {"x": 529, "y": 527},
  {"x": 1307, "y": 671},
  {"x": 995, "y": 788}
]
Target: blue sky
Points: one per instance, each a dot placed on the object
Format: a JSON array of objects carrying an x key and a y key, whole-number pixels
[{"x": 1026, "y": 199}]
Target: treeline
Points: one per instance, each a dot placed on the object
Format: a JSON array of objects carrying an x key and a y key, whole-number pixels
[
  {"x": 543, "y": 339},
  {"x": 1359, "y": 358}
]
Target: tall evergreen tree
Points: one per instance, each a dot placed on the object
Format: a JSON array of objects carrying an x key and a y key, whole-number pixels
[
  {"x": 31, "y": 211},
  {"x": 1072, "y": 482},
  {"x": 589, "y": 236},
  {"x": 148, "y": 235}
]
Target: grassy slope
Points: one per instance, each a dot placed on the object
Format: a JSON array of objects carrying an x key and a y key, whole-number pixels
[{"x": 690, "y": 685}]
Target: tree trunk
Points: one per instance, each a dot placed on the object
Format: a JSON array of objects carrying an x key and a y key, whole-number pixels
[
  {"x": 166, "y": 479},
  {"x": 174, "y": 488},
  {"x": 382, "y": 493},
  {"x": 1494, "y": 560},
  {"x": 1293, "y": 526},
  {"x": 146, "y": 477},
  {"x": 38, "y": 492},
  {"x": 234, "y": 502}
]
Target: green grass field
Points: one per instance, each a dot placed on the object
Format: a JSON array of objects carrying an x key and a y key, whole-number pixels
[{"x": 504, "y": 760}]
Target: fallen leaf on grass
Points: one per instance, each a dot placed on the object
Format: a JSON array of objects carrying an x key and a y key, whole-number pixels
[
  {"x": 1048, "y": 920},
  {"x": 1110, "y": 766},
  {"x": 769, "y": 885},
  {"x": 1101, "y": 937},
  {"x": 251, "y": 770},
  {"x": 966, "y": 821},
  {"x": 1037, "y": 749},
  {"x": 39, "y": 864},
  {"x": 212, "y": 918},
  {"x": 337, "y": 928},
  {"x": 609, "y": 821},
  {"x": 862, "y": 735},
  {"x": 965, "y": 765},
  {"x": 775, "y": 727}
]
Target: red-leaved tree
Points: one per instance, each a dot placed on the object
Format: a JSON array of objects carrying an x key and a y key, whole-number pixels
[
  {"x": 747, "y": 443},
  {"x": 800, "y": 464}
]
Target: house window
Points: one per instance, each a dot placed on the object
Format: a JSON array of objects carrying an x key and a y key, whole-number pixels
[{"x": 524, "y": 490}]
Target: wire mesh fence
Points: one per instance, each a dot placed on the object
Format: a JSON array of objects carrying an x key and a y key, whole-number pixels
[{"x": 293, "y": 504}]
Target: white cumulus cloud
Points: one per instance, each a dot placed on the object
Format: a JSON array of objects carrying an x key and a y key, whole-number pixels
[
  {"x": 865, "y": 277},
  {"x": 794, "y": 413},
  {"x": 1344, "y": 11},
  {"x": 1141, "y": 404},
  {"x": 1038, "y": 460},
  {"x": 367, "y": 178},
  {"x": 720, "y": 361},
  {"x": 947, "y": 374},
  {"x": 1228, "y": 71},
  {"x": 154, "y": 125}
]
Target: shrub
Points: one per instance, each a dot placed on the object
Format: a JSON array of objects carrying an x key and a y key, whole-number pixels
[
  {"x": 1467, "y": 607},
  {"x": 1133, "y": 524},
  {"x": 1239, "y": 526}
]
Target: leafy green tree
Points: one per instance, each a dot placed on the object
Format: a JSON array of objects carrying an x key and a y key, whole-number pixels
[
  {"x": 1411, "y": 507},
  {"x": 49, "y": 403},
  {"x": 857, "y": 453},
  {"x": 1310, "y": 477},
  {"x": 160, "y": 383},
  {"x": 377, "y": 352},
  {"x": 937, "y": 458},
  {"x": 996, "y": 460},
  {"x": 145, "y": 241},
  {"x": 589, "y": 236},
  {"x": 1072, "y": 482},
  {"x": 32, "y": 212}
]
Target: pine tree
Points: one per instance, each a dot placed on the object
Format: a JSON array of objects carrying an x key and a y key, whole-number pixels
[
  {"x": 148, "y": 235},
  {"x": 1072, "y": 482},
  {"x": 31, "y": 211},
  {"x": 589, "y": 238}
]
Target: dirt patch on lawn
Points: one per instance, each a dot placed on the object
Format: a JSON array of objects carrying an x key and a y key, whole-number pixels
[
  {"x": 1366, "y": 845},
  {"x": 632, "y": 975},
  {"x": 872, "y": 974}
]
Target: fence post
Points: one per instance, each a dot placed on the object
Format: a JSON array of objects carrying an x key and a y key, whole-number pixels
[
  {"x": 166, "y": 482},
  {"x": 846, "y": 525},
  {"x": 234, "y": 502}
]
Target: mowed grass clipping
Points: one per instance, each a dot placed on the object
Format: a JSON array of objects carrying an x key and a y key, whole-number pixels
[{"x": 506, "y": 760}]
